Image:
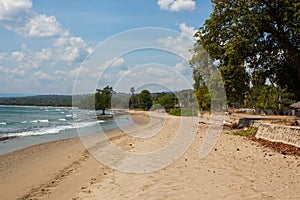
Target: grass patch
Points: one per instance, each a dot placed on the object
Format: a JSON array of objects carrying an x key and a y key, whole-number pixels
[
  {"x": 183, "y": 112},
  {"x": 249, "y": 132}
]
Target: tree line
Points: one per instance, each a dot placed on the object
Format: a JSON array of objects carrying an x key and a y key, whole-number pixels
[
  {"x": 40, "y": 100},
  {"x": 255, "y": 45}
]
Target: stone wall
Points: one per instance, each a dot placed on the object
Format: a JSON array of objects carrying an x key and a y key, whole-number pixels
[{"x": 279, "y": 133}]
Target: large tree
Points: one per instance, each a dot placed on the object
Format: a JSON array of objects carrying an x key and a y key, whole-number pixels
[
  {"x": 145, "y": 100},
  {"x": 167, "y": 101},
  {"x": 209, "y": 84},
  {"x": 260, "y": 34},
  {"x": 103, "y": 99}
]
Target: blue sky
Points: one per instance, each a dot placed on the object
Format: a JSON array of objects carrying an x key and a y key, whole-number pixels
[{"x": 45, "y": 43}]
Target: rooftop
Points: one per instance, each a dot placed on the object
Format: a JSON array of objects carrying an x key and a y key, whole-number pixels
[{"x": 295, "y": 105}]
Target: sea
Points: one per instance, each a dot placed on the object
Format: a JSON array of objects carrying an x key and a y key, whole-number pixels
[{"x": 21, "y": 127}]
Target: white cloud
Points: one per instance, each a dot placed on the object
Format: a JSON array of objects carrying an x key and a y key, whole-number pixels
[
  {"x": 71, "y": 49},
  {"x": 117, "y": 62},
  {"x": 176, "y": 5},
  {"x": 17, "y": 56},
  {"x": 3, "y": 55},
  {"x": 58, "y": 64},
  {"x": 180, "y": 67},
  {"x": 42, "y": 75},
  {"x": 27, "y": 59},
  {"x": 187, "y": 31},
  {"x": 4, "y": 70},
  {"x": 182, "y": 43},
  {"x": 13, "y": 9},
  {"x": 154, "y": 71},
  {"x": 42, "y": 26},
  {"x": 43, "y": 55},
  {"x": 18, "y": 16},
  {"x": 71, "y": 73}
]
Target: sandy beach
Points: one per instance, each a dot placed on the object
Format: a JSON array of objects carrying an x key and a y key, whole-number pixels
[{"x": 236, "y": 168}]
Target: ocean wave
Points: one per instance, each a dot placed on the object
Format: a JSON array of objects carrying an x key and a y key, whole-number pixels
[
  {"x": 40, "y": 121},
  {"x": 3, "y": 123},
  {"x": 62, "y": 119},
  {"x": 69, "y": 116},
  {"x": 48, "y": 130}
]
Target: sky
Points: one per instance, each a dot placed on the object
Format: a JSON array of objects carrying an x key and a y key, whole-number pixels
[{"x": 66, "y": 47}]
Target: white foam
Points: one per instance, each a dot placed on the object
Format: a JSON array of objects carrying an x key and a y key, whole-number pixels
[
  {"x": 50, "y": 130},
  {"x": 24, "y": 122},
  {"x": 62, "y": 119},
  {"x": 68, "y": 115},
  {"x": 2, "y": 123},
  {"x": 101, "y": 121},
  {"x": 40, "y": 121}
]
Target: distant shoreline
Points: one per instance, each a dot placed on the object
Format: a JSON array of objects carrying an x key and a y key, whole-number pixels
[{"x": 1, "y": 105}]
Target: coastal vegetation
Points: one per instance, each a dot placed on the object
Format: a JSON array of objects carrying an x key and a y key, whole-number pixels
[
  {"x": 183, "y": 112},
  {"x": 100, "y": 100},
  {"x": 247, "y": 132},
  {"x": 255, "y": 46},
  {"x": 40, "y": 100}
]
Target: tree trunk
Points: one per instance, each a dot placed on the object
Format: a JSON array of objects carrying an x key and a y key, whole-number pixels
[{"x": 297, "y": 60}]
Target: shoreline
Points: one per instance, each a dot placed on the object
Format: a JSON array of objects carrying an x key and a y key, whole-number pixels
[
  {"x": 1, "y": 105},
  {"x": 16, "y": 140},
  {"x": 237, "y": 168}
]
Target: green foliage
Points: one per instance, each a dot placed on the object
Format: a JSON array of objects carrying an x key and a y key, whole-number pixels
[
  {"x": 145, "y": 100},
  {"x": 103, "y": 99},
  {"x": 167, "y": 101},
  {"x": 268, "y": 97},
  {"x": 236, "y": 83},
  {"x": 187, "y": 98},
  {"x": 201, "y": 64},
  {"x": 248, "y": 132},
  {"x": 208, "y": 84},
  {"x": 142, "y": 100},
  {"x": 134, "y": 102},
  {"x": 264, "y": 35},
  {"x": 40, "y": 100},
  {"x": 183, "y": 112}
]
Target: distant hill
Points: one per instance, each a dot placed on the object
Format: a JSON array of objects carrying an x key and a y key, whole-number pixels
[
  {"x": 39, "y": 100},
  {"x": 15, "y": 95}
]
